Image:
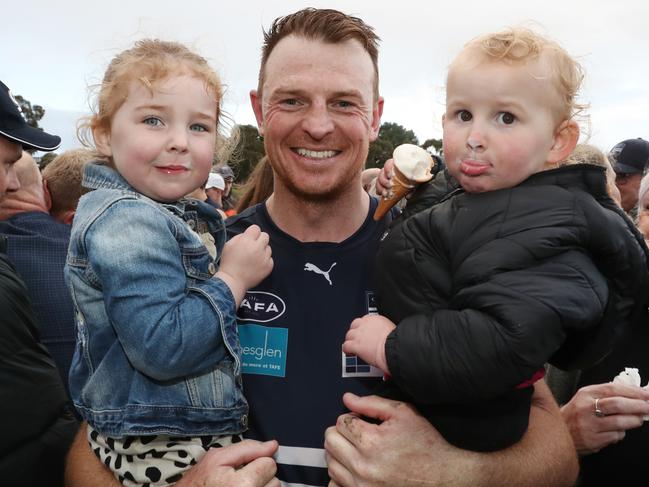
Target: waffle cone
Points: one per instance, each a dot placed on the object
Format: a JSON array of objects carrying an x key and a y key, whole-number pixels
[{"x": 401, "y": 186}]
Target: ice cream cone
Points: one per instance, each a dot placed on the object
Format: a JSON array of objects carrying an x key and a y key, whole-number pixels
[{"x": 401, "y": 186}]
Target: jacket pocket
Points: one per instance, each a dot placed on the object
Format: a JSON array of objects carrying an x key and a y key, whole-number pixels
[{"x": 219, "y": 388}]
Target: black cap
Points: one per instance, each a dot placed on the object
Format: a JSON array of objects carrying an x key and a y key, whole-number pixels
[
  {"x": 14, "y": 126},
  {"x": 630, "y": 156},
  {"x": 225, "y": 171}
]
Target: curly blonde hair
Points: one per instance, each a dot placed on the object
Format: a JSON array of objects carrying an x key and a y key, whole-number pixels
[
  {"x": 149, "y": 62},
  {"x": 519, "y": 46}
]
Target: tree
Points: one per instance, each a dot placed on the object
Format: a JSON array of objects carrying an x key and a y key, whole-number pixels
[
  {"x": 390, "y": 136},
  {"x": 248, "y": 152},
  {"x": 435, "y": 144},
  {"x": 32, "y": 113}
]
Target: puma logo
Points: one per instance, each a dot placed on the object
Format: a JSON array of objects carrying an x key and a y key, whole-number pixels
[{"x": 314, "y": 268}]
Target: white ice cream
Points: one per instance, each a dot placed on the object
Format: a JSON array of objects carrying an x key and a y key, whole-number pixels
[{"x": 413, "y": 162}]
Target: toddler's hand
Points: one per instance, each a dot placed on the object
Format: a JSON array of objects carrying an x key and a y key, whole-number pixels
[
  {"x": 246, "y": 261},
  {"x": 366, "y": 338},
  {"x": 383, "y": 181}
]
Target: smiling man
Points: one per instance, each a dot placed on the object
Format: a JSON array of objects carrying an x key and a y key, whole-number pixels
[{"x": 318, "y": 108}]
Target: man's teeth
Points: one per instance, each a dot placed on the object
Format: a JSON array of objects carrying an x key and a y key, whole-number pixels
[{"x": 316, "y": 154}]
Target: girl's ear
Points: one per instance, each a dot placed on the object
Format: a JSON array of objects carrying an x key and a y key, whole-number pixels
[
  {"x": 565, "y": 140},
  {"x": 101, "y": 135}
]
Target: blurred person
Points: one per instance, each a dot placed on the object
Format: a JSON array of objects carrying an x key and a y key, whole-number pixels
[
  {"x": 156, "y": 316},
  {"x": 606, "y": 419},
  {"x": 258, "y": 187},
  {"x": 643, "y": 207},
  {"x": 214, "y": 189},
  {"x": 228, "y": 199},
  {"x": 368, "y": 177},
  {"x": 513, "y": 271},
  {"x": 630, "y": 159},
  {"x": 62, "y": 182},
  {"x": 38, "y": 246},
  {"x": 37, "y": 422}
]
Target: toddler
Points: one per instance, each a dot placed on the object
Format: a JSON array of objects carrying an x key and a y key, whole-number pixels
[
  {"x": 156, "y": 371},
  {"x": 529, "y": 261}
]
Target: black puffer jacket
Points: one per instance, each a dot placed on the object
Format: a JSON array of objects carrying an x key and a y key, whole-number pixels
[{"x": 486, "y": 288}]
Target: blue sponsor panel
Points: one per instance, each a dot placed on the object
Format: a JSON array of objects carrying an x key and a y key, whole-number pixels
[{"x": 263, "y": 349}]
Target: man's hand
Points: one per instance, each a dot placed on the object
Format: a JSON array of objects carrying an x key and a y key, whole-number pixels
[
  {"x": 245, "y": 464},
  {"x": 366, "y": 338},
  {"x": 406, "y": 450},
  {"x": 623, "y": 407},
  {"x": 395, "y": 452}
]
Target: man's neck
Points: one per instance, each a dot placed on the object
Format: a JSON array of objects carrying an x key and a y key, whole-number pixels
[
  {"x": 26, "y": 204},
  {"x": 319, "y": 221}
]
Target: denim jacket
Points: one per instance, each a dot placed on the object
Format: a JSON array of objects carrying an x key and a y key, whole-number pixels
[{"x": 157, "y": 348}]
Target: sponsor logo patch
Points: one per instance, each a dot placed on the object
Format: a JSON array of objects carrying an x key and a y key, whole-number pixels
[
  {"x": 263, "y": 349},
  {"x": 353, "y": 366},
  {"x": 260, "y": 307}
]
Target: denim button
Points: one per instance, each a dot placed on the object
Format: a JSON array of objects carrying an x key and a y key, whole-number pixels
[
  {"x": 192, "y": 224},
  {"x": 211, "y": 268},
  {"x": 244, "y": 420}
]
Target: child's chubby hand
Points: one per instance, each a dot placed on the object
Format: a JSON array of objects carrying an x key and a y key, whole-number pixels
[
  {"x": 246, "y": 260},
  {"x": 383, "y": 180},
  {"x": 366, "y": 338}
]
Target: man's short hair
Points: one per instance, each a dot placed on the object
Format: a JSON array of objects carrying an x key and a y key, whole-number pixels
[
  {"x": 63, "y": 176},
  {"x": 325, "y": 25}
]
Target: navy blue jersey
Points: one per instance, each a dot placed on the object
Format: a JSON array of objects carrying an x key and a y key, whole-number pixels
[{"x": 292, "y": 327}]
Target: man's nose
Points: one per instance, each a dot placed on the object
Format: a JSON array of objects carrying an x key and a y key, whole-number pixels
[
  {"x": 13, "y": 184},
  {"x": 317, "y": 121}
]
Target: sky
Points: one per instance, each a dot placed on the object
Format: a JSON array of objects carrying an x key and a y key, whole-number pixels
[{"x": 55, "y": 50}]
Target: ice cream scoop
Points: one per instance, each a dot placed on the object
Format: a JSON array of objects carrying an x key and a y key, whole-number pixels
[{"x": 412, "y": 166}]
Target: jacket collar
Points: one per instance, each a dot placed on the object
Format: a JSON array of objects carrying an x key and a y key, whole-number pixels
[{"x": 97, "y": 175}]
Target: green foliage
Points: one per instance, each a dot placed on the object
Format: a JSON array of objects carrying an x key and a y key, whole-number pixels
[
  {"x": 248, "y": 152},
  {"x": 33, "y": 113},
  {"x": 434, "y": 143},
  {"x": 46, "y": 159},
  {"x": 390, "y": 136}
]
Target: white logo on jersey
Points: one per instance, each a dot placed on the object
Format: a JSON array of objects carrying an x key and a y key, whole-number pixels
[{"x": 314, "y": 268}]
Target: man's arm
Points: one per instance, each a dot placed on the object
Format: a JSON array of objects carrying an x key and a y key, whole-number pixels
[
  {"x": 218, "y": 468},
  {"x": 406, "y": 450}
]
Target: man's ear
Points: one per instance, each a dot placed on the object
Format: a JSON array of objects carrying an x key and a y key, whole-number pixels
[
  {"x": 101, "y": 135},
  {"x": 255, "y": 101},
  {"x": 47, "y": 195},
  {"x": 67, "y": 216},
  {"x": 565, "y": 140},
  {"x": 377, "y": 113}
]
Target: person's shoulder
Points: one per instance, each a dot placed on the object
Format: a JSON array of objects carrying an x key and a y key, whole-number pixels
[{"x": 250, "y": 216}]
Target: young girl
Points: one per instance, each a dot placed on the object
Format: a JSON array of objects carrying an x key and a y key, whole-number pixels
[{"x": 156, "y": 371}]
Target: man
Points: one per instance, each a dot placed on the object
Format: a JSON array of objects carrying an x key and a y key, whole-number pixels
[
  {"x": 630, "y": 159},
  {"x": 37, "y": 425},
  {"x": 228, "y": 200},
  {"x": 38, "y": 244},
  {"x": 317, "y": 120},
  {"x": 318, "y": 108},
  {"x": 62, "y": 183},
  {"x": 214, "y": 189}
]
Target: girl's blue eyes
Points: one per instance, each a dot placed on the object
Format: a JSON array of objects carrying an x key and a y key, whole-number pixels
[
  {"x": 153, "y": 121},
  {"x": 156, "y": 122}
]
